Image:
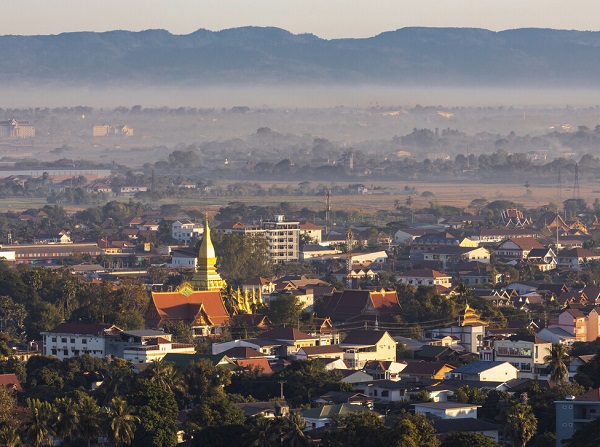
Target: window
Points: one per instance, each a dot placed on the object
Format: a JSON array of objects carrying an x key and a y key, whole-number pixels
[
  {"x": 63, "y": 340},
  {"x": 73, "y": 340},
  {"x": 84, "y": 341},
  {"x": 66, "y": 352},
  {"x": 54, "y": 339}
]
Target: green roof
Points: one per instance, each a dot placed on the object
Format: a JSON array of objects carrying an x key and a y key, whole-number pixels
[
  {"x": 327, "y": 411},
  {"x": 429, "y": 351}
]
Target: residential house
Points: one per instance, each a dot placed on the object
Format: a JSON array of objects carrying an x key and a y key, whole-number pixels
[
  {"x": 487, "y": 371},
  {"x": 576, "y": 258},
  {"x": 361, "y": 305},
  {"x": 321, "y": 416},
  {"x": 184, "y": 258},
  {"x": 184, "y": 232},
  {"x": 557, "y": 335},
  {"x": 487, "y": 236},
  {"x": 426, "y": 370},
  {"x": 269, "y": 410},
  {"x": 384, "y": 370},
  {"x": 450, "y": 256},
  {"x": 542, "y": 258},
  {"x": 526, "y": 353},
  {"x": 311, "y": 232},
  {"x": 517, "y": 248},
  {"x": 574, "y": 322},
  {"x": 320, "y": 352},
  {"x": 426, "y": 277},
  {"x": 361, "y": 346},
  {"x": 447, "y": 410},
  {"x": 408, "y": 235},
  {"x": 388, "y": 390}
]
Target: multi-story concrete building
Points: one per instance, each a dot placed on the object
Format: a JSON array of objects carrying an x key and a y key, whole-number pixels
[
  {"x": 283, "y": 238},
  {"x": 16, "y": 129},
  {"x": 526, "y": 353},
  {"x": 185, "y": 231},
  {"x": 574, "y": 412}
]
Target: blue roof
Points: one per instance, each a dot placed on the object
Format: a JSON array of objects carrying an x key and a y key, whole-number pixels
[{"x": 476, "y": 367}]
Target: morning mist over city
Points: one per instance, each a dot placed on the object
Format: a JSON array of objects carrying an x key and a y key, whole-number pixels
[{"x": 299, "y": 223}]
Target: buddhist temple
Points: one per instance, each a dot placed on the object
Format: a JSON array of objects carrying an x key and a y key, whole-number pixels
[
  {"x": 206, "y": 277},
  {"x": 469, "y": 317},
  {"x": 198, "y": 303}
]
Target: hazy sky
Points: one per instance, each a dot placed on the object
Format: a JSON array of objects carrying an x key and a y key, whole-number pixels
[{"x": 325, "y": 18}]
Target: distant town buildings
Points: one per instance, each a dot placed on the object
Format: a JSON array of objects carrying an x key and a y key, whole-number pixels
[
  {"x": 16, "y": 129},
  {"x": 106, "y": 130}
]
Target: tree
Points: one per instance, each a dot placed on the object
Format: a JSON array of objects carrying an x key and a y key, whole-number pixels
[
  {"x": 182, "y": 333},
  {"x": 361, "y": 429},
  {"x": 285, "y": 310},
  {"x": 205, "y": 379},
  {"x": 165, "y": 375},
  {"x": 556, "y": 363},
  {"x": 414, "y": 430},
  {"x": 66, "y": 417},
  {"x": 122, "y": 423},
  {"x": 468, "y": 439},
  {"x": 157, "y": 411},
  {"x": 212, "y": 412},
  {"x": 39, "y": 427},
  {"x": 520, "y": 424},
  {"x": 90, "y": 418}
]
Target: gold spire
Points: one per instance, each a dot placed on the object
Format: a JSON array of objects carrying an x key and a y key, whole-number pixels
[{"x": 206, "y": 276}]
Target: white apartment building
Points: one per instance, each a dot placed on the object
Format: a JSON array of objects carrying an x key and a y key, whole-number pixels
[
  {"x": 283, "y": 238},
  {"x": 75, "y": 339},
  {"x": 184, "y": 232}
]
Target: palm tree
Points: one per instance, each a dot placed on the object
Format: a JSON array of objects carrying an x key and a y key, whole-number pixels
[
  {"x": 66, "y": 417},
  {"x": 122, "y": 423},
  {"x": 294, "y": 431},
  {"x": 556, "y": 363},
  {"x": 165, "y": 375},
  {"x": 260, "y": 433},
  {"x": 9, "y": 436},
  {"x": 89, "y": 418},
  {"x": 39, "y": 429},
  {"x": 520, "y": 424}
]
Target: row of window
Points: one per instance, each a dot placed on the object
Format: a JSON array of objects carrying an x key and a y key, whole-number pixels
[{"x": 72, "y": 340}]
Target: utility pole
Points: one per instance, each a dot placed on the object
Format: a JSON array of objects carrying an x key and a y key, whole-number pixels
[
  {"x": 349, "y": 243},
  {"x": 327, "y": 211}
]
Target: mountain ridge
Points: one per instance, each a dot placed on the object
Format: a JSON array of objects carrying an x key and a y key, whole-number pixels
[{"x": 264, "y": 55}]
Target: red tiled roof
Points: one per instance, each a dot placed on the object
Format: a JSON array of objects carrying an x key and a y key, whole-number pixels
[
  {"x": 10, "y": 381},
  {"x": 262, "y": 364},
  {"x": 350, "y": 303},
  {"x": 590, "y": 396},
  {"x": 284, "y": 333},
  {"x": 173, "y": 306},
  {"x": 243, "y": 352}
]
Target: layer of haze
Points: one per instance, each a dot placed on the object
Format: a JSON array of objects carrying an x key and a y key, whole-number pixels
[
  {"x": 293, "y": 97},
  {"x": 327, "y": 19}
]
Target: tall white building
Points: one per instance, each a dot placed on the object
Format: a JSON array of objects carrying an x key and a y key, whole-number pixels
[
  {"x": 185, "y": 231},
  {"x": 283, "y": 238}
]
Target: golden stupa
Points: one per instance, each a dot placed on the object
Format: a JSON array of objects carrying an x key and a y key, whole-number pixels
[{"x": 206, "y": 277}]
